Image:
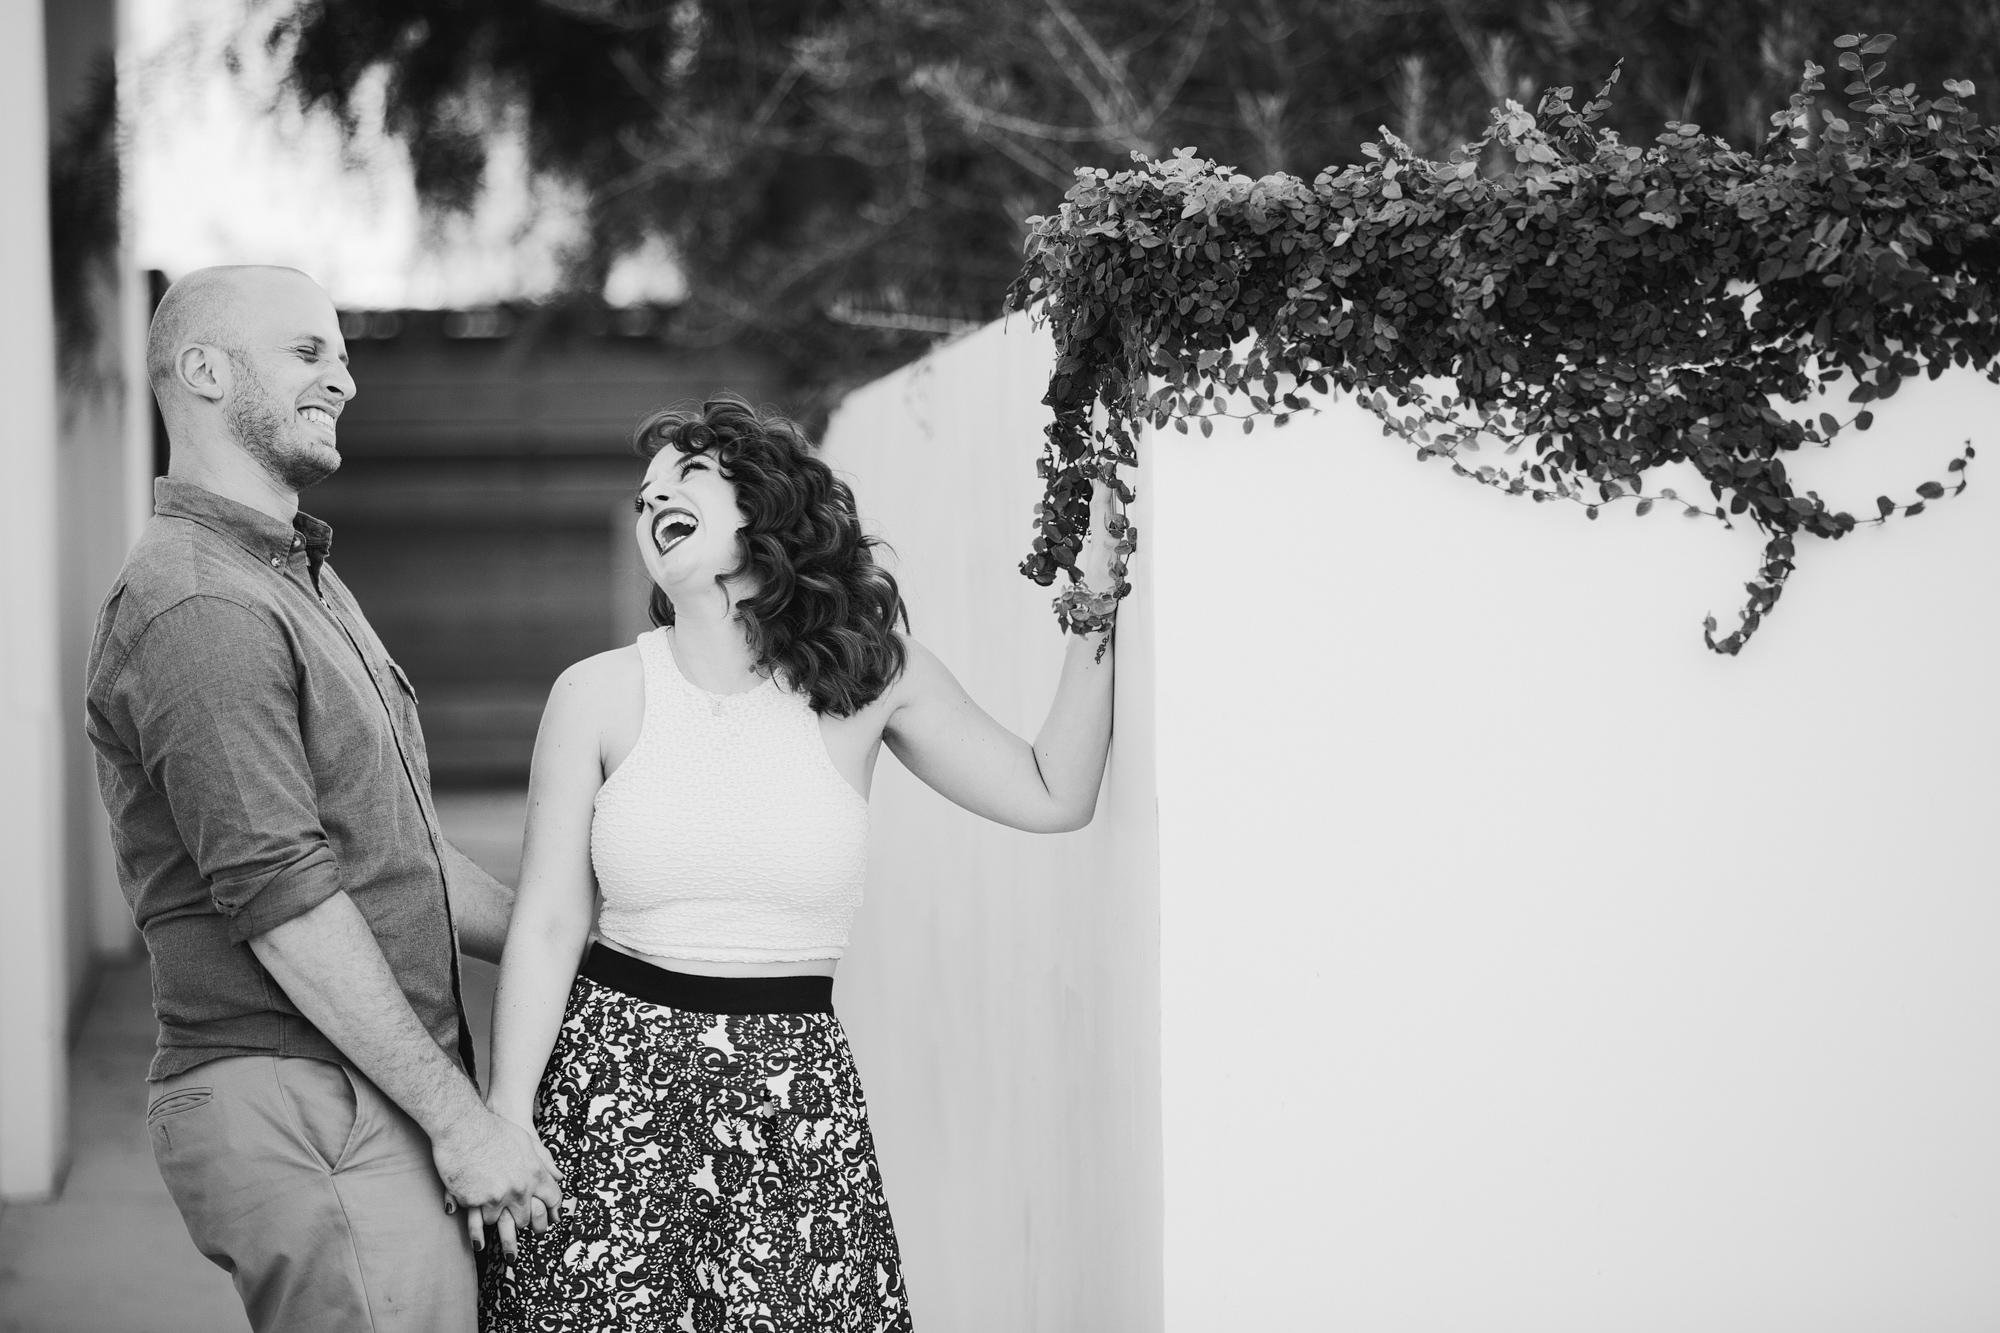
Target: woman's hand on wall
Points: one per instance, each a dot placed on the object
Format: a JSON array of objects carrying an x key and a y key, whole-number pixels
[{"x": 1101, "y": 550}]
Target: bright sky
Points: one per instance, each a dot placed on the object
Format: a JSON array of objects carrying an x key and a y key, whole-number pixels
[{"x": 224, "y": 171}]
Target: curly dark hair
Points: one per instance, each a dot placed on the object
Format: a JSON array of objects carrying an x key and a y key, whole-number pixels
[{"x": 824, "y": 613}]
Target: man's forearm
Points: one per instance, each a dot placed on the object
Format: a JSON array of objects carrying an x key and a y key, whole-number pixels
[
  {"x": 480, "y": 906},
  {"x": 329, "y": 964}
]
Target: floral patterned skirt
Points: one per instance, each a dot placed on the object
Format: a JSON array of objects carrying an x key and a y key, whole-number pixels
[{"x": 718, "y": 1169}]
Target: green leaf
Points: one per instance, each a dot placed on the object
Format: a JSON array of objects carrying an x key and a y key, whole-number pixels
[
  {"x": 1914, "y": 510},
  {"x": 1828, "y": 424},
  {"x": 1863, "y": 420},
  {"x": 1848, "y": 60},
  {"x": 1930, "y": 490},
  {"x": 1644, "y": 508},
  {"x": 1885, "y": 504},
  {"x": 1848, "y": 39},
  {"x": 1876, "y": 45}
]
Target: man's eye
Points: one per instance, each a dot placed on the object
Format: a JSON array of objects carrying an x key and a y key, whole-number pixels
[{"x": 638, "y": 505}]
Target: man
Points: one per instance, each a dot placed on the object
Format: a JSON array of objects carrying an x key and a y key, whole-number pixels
[{"x": 312, "y": 1111}]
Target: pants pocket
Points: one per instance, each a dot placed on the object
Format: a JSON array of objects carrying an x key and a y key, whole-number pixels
[
  {"x": 321, "y": 1097},
  {"x": 174, "y": 1111},
  {"x": 177, "y": 1101}
]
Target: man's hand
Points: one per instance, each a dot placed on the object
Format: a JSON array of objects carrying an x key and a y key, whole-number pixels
[
  {"x": 328, "y": 962},
  {"x": 500, "y": 1174}
]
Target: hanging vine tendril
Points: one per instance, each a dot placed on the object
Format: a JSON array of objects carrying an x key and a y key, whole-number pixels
[{"x": 1586, "y": 299}]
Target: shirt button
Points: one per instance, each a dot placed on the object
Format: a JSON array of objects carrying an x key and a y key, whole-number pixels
[{"x": 277, "y": 561}]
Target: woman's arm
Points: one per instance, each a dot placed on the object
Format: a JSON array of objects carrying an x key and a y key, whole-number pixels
[
  {"x": 553, "y": 907},
  {"x": 950, "y": 742},
  {"x": 480, "y": 906}
]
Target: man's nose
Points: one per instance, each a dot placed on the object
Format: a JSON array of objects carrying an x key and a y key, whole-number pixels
[{"x": 340, "y": 382}]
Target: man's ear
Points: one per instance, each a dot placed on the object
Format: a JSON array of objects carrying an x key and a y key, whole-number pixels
[{"x": 203, "y": 371}]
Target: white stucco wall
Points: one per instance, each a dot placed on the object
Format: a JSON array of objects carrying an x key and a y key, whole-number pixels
[
  {"x": 1527, "y": 967},
  {"x": 1520, "y": 964},
  {"x": 1002, "y": 989}
]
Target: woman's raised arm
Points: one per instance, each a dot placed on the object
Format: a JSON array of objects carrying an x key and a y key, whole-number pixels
[{"x": 950, "y": 742}]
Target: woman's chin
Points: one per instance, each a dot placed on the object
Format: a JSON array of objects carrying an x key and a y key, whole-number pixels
[{"x": 676, "y": 577}]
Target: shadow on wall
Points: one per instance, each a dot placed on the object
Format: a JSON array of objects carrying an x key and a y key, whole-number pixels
[{"x": 1002, "y": 988}]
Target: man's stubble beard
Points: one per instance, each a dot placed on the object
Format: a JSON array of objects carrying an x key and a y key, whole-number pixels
[{"x": 268, "y": 432}]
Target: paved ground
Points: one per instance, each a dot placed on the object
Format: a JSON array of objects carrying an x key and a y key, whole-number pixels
[{"x": 110, "y": 1254}]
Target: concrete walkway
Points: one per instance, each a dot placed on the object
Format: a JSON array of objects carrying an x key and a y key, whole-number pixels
[{"x": 110, "y": 1254}]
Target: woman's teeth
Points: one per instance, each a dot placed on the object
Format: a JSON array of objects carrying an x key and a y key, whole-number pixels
[{"x": 670, "y": 534}]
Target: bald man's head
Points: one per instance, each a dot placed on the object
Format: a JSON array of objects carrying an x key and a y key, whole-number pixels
[
  {"x": 204, "y": 307},
  {"x": 250, "y": 357}
]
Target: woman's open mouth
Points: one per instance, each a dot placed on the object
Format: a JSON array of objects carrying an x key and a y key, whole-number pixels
[{"x": 672, "y": 527}]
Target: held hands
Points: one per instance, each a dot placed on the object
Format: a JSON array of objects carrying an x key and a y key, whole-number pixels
[{"x": 500, "y": 1174}]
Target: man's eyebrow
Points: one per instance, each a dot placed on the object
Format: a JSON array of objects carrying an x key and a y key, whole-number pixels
[{"x": 319, "y": 344}]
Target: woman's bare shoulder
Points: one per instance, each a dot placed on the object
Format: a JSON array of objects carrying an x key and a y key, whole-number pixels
[
  {"x": 924, "y": 675},
  {"x": 608, "y": 680},
  {"x": 605, "y": 670}
]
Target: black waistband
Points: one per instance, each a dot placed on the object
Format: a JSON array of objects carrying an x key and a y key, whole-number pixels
[{"x": 707, "y": 995}]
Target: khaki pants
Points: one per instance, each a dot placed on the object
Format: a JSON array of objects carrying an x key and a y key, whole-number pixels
[{"x": 316, "y": 1194}]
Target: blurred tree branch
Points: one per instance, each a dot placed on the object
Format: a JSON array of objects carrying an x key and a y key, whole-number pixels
[{"x": 843, "y": 178}]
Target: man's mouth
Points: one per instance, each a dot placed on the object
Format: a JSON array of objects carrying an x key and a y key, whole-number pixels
[
  {"x": 314, "y": 415},
  {"x": 671, "y": 528}
]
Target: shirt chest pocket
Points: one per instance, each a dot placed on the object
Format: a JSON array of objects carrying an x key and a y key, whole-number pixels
[
  {"x": 403, "y": 679},
  {"x": 405, "y": 703}
]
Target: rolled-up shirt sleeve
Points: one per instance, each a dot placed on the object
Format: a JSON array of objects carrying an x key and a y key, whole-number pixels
[{"x": 208, "y": 701}]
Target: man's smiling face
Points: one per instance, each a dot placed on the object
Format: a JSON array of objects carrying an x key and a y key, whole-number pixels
[{"x": 288, "y": 381}]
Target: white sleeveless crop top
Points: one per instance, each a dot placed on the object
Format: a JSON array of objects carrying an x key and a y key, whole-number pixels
[{"x": 727, "y": 835}]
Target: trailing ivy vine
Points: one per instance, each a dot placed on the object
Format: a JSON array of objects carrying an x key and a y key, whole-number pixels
[{"x": 1554, "y": 312}]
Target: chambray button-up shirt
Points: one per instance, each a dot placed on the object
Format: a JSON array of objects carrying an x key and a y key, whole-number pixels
[{"x": 258, "y": 752}]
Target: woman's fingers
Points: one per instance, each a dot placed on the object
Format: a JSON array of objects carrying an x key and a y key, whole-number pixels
[
  {"x": 549, "y": 1162},
  {"x": 538, "y": 1215},
  {"x": 475, "y": 1229},
  {"x": 507, "y": 1246}
]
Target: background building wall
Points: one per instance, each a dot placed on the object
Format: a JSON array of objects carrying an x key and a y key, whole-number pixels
[
  {"x": 33, "y": 956},
  {"x": 1526, "y": 966},
  {"x": 100, "y": 389},
  {"x": 484, "y": 501},
  {"x": 1002, "y": 989}
]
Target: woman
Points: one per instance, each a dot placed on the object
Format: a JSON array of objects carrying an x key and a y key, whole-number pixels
[{"x": 708, "y": 785}]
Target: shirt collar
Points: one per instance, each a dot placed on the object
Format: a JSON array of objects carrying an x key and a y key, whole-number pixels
[{"x": 255, "y": 531}]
